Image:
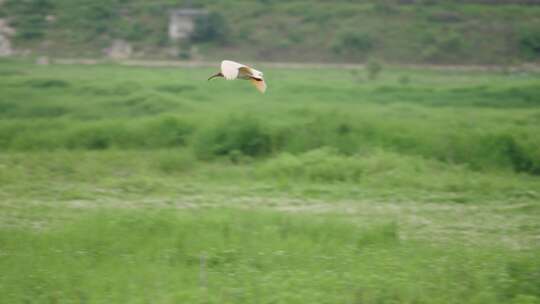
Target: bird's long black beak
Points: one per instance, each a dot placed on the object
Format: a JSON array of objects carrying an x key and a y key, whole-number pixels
[{"x": 216, "y": 75}]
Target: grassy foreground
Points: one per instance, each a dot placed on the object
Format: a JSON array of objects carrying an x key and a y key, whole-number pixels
[
  {"x": 222, "y": 256},
  {"x": 127, "y": 185}
]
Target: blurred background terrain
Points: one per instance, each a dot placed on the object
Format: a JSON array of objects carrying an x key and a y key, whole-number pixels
[{"x": 400, "y": 31}]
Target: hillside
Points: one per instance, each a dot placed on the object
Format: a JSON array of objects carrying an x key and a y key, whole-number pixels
[{"x": 449, "y": 32}]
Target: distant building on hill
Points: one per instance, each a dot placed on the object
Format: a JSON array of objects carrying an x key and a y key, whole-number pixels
[
  {"x": 182, "y": 22},
  {"x": 5, "y": 46},
  {"x": 5, "y": 33},
  {"x": 120, "y": 49}
]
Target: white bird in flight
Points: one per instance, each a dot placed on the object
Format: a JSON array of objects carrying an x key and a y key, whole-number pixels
[{"x": 231, "y": 70}]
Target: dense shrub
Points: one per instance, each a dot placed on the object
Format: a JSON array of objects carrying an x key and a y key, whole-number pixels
[
  {"x": 354, "y": 43},
  {"x": 30, "y": 22},
  {"x": 386, "y": 7},
  {"x": 451, "y": 42},
  {"x": 211, "y": 28},
  {"x": 166, "y": 132},
  {"x": 321, "y": 130},
  {"x": 373, "y": 67},
  {"x": 29, "y": 6},
  {"x": 444, "y": 47},
  {"x": 529, "y": 42},
  {"x": 404, "y": 80},
  {"x": 519, "y": 159},
  {"x": 47, "y": 83},
  {"x": 97, "y": 137},
  {"x": 134, "y": 31},
  {"x": 235, "y": 134},
  {"x": 486, "y": 152},
  {"x": 99, "y": 11}
]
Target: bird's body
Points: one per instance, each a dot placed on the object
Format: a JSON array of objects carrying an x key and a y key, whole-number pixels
[{"x": 231, "y": 70}]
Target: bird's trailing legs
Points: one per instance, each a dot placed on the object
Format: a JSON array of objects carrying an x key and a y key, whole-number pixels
[{"x": 216, "y": 75}]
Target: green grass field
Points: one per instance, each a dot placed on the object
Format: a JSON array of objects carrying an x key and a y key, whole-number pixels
[{"x": 137, "y": 185}]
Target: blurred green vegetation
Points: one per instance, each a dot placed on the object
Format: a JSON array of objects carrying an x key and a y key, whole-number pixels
[
  {"x": 486, "y": 121},
  {"x": 226, "y": 256},
  {"x": 474, "y": 133},
  {"x": 210, "y": 28},
  {"x": 454, "y": 32},
  {"x": 132, "y": 184}
]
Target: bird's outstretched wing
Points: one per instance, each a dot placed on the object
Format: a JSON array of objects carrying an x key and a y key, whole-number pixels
[
  {"x": 260, "y": 84},
  {"x": 245, "y": 72}
]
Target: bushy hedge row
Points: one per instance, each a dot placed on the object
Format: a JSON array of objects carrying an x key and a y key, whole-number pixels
[
  {"x": 480, "y": 151},
  {"x": 249, "y": 135}
]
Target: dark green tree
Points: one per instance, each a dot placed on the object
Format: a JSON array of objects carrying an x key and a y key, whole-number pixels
[{"x": 210, "y": 28}]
